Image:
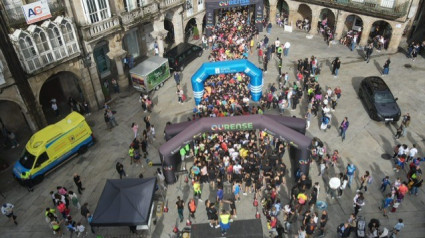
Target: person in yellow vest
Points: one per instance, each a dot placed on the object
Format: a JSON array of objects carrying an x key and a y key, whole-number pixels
[
  {"x": 50, "y": 215},
  {"x": 56, "y": 226},
  {"x": 197, "y": 190},
  {"x": 131, "y": 154},
  {"x": 224, "y": 222},
  {"x": 27, "y": 180}
]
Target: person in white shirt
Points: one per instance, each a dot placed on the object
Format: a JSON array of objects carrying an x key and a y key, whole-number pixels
[
  {"x": 289, "y": 96},
  {"x": 277, "y": 43},
  {"x": 344, "y": 181},
  {"x": 286, "y": 47},
  {"x": 237, "y": 168},
  {"x": 412, "y": 153},
  {"x": 325, "y": 109},
  {"x": 204, "y": 42},
  {"x": 400, "y": 151},
  {"x": 80, "y": 230},
  {"x": 7, "y": 210}
]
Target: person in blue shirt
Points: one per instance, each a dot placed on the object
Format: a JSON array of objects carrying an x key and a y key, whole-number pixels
[
  {"x": 351, "y": 169},
  {"x": 398, "y": 226},
  {"x": 385, "y": 182},
  {"x": 220, "y": 194},
  {"x": 386, "y": 203}
]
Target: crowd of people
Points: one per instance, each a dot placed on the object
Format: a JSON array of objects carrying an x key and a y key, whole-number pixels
[
  {"x": 232, "y": 37},
  {"x": 62, "y": 200},
  {"x": 228, "y": 94}
]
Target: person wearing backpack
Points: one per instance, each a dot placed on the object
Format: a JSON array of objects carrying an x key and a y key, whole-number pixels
[
  {"x": 358, "y": 202},
  {"x": 343, "y": 128},
  {"x": 74, "y": 199},
  {"x": 351, "y": 169}
]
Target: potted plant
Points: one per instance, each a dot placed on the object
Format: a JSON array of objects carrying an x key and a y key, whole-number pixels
[{"x": 195, "y": 33}]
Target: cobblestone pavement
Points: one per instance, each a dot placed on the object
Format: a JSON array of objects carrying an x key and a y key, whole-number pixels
[{"x": 366, "y": 144}]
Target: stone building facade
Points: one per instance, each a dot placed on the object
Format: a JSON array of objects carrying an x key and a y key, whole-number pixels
[
  {"x": 393, "y": 17},
  {"x": 85, "y": 44}
]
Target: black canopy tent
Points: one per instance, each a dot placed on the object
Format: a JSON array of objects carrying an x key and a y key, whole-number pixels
[
  {"x": 212, "y": 5},
  {"x": 125, "y": 202},
  {"x": 299, "y": 142}
]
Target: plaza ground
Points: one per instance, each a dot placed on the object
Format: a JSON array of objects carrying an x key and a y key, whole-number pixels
[{"x": 366, "y": 145}]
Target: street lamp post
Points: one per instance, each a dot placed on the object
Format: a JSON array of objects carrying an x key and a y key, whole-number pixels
[{"x": 87, "y": 64}]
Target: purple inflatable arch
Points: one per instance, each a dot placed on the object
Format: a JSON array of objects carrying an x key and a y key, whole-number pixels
[{"x": 183, "y": 133}]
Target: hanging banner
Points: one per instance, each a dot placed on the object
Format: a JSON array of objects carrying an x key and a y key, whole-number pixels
[
  {"x": 36, "y": 11},
  {"x": 209, "y": 20},
  {"x": 259, "y": 14}
]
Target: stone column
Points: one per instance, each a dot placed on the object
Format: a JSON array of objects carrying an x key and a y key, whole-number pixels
[
  {"x": 159, "y": 33},
  {"x": 159, "y": 37},
  {"x": 91, "y": 84},
  {"x": 396, "y": 36},
  {"x": 314, "y": 20},
  {"x": 339, "y": 27},
  {"x": 292, "y": 19},
  {"x": 199, "y": 25},
  {"x": 365, "y": 33},
  {"x": 272, "y": 16},
  {"x": 117, "y": 55},
  {"x": 178, "y": 26},
  {"x": 40, "y": 113}
]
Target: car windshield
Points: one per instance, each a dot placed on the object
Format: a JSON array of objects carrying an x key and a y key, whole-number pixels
[
  {"x": 384, "y": 97},
  {"x": 27, "y": 159}
]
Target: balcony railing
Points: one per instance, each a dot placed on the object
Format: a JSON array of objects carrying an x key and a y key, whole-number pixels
[
  {"x": 96, "y": 29},
  {"x": 127, "y": 18},
  {"x": 365, "y": 7},
  {"x": 170, "y": 3},
  {"x": 16, "y": 19}
]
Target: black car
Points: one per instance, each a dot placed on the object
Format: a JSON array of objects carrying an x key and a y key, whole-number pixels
[
  {"x": 378, "y": 99},
  {"x": 182, "y": 55}
]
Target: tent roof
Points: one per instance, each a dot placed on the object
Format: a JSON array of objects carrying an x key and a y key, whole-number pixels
[{"x": 125, "y": 202}]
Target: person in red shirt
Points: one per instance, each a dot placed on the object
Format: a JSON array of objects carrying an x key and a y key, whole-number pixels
[
  {"x": 337, "y": 91},
  {"x": 273, "y": 225}
]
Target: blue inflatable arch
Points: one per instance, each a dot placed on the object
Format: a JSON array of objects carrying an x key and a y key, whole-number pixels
[{"x": 228, "y": 67}]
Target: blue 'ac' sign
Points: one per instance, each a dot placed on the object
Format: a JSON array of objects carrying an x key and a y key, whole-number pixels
[{"x": 233, "y": 2}]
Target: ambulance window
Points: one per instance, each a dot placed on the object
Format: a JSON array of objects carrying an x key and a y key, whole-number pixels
[
  {"x": 41, "y": 159},
  {"x": 27, "y": 159}
]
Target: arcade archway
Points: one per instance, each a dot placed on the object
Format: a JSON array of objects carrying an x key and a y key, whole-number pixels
[
  {"x": 13, "y": 118},
  {"x": 380, "y": 34},
  {"x": 60, "y": 86},
  {"x": 168, "y": 25},
  {"x": 327, "y": 17},
  {"x": 189, "y": 30},
  {"x": 304, "y": 16},
  {"x": 353, "y": 22},
  {"x": 282, "y": 9}
]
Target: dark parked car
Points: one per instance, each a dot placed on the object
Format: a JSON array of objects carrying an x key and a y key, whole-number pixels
[
  {"x": 182, "y": 55},
  {"x": 378, "y": 99}
]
